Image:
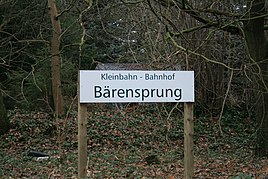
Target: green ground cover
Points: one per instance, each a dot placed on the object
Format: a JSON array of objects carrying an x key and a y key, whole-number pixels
[{"x": 134, "y": 142}]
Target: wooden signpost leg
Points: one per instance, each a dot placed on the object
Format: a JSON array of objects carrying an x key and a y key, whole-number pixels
[
  {"x": 188, "y": 141},
  {"x": 82, "y": 140}
]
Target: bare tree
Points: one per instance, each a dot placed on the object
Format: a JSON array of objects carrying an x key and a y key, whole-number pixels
[
  {"x": 55, "y": 59},
  {"x": 17, "y": 36},
  {"x": 242, "y": 18}
]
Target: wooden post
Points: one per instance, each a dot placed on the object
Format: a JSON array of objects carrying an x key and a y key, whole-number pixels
[
  {"x": 82, "y": 137},
  {"x": 188, "y": 141}
]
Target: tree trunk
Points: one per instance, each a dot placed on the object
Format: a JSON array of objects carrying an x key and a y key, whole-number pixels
[
  {"x": 4, "y": 121},
  {"x": 257, "y": 46},
  {"x": 55, "y": 59}
]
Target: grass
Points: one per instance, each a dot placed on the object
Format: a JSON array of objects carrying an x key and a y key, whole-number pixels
[{"x": 120, "y": 140}]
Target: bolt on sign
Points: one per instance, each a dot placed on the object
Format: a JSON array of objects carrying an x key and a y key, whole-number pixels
[{"x": 136, "y": 86}]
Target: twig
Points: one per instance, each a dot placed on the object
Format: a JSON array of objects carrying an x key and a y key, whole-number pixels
[
  {"x": 70, "y": 6},
  {"x": 82, "y": 39},
  {"x": 224, "y": 100},
  {"x": 180, "y": 48}
]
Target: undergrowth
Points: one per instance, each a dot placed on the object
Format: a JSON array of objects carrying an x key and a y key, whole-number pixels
[{"x": 121, "y": 140}]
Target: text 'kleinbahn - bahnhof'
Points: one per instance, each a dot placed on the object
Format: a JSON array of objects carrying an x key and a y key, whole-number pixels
[{"x": 129, "y": 76}]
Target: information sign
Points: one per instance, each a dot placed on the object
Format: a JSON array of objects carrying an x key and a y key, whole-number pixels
[{"x": 99, "y": 86}]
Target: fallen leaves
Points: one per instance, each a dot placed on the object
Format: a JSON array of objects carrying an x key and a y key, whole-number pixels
[{"x": 120, "y": 141}]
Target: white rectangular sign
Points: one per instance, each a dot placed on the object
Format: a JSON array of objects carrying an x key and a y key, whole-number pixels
[{"x": 136, "y": 86}]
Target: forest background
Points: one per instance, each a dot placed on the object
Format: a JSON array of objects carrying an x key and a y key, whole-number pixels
[{"x": 44, "y": 43}]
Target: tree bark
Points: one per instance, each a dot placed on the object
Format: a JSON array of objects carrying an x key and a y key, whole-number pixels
[
  {"x": 4, "y": 121},
  {"x": 257, "y": 46},
  {"x": 55, "y": 59}
]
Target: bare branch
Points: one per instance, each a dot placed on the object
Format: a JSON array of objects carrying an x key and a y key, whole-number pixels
[
  {"x": 217, "y": 12},
  {"x": 182, "y": 49},
  {"x": 131, "y": 2},
  {"x": 187, "y": 8},
  {"x": 70, "y": 6}
]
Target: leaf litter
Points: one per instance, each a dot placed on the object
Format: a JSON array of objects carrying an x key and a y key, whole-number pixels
[{"x": 133, "y": 142}]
